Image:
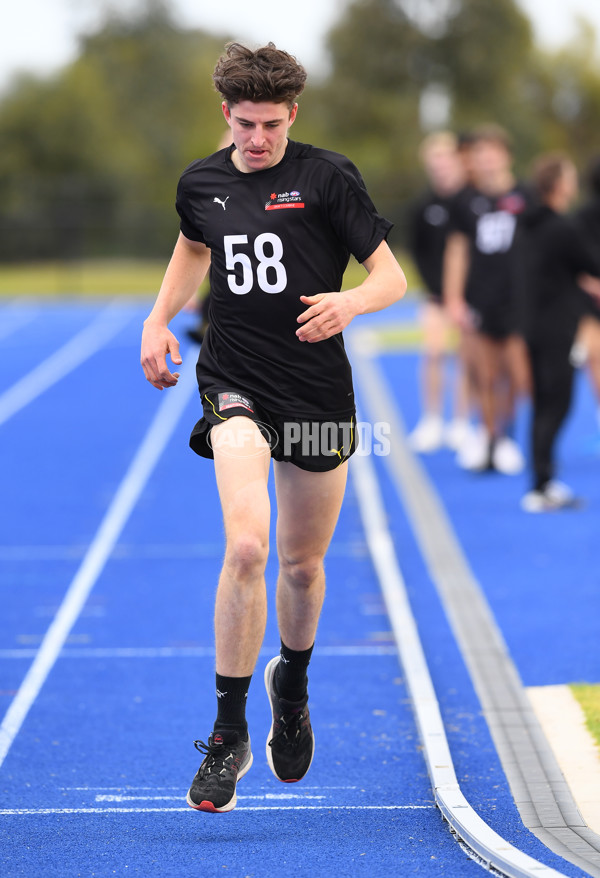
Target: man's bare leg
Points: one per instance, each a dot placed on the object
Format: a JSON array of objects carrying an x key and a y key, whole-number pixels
[
  {"x": 308, "y": 509},
  {"x": 242, "y": 468},
  {"x": 487, "y": 358},
  {"x": 242, "y": 459}
]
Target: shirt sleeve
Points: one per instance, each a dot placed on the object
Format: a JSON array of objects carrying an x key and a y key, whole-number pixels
[
  {"x": 352, "y": 213},
  {"x": 188, "y": 223}
]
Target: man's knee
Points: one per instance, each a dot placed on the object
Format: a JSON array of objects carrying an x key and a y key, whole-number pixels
[
  {"x": 301, "y": 572},
  {"x": 246, "y": 555}
]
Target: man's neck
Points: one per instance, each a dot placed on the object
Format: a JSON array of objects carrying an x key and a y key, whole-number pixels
[
  {"x": 497, "y": 184},
  {"x": 235, "y": 158}
]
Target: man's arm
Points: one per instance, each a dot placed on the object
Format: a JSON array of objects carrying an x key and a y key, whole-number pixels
[
  {"x": 454, "y": 278},
  {"x": 184, "y": 274},
  {"x": 590, "y": 285},
  {"x": 330, "y": 313}
]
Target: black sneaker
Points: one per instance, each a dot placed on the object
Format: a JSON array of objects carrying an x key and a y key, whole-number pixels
[
  {"x": 227, "y": 759},
  {"x": 291, "y": 743}
]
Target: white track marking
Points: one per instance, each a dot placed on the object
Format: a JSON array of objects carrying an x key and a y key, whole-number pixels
[
  {"x": 263, "y": 796},
  {"x": 37, "y": 812},
  {"x": 175, "y": 552},
  {"x": 127, "y": 495},
  {"x": 152, "y": 652},
  {"x": 78, "y": 349},
  {"x": 181, "y": 792},
  {"x": 17, "y": 320},
  {"x": 480, "y": 837}
]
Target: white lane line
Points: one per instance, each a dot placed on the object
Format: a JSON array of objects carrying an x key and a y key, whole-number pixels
[
  {"x": 36, "y": 812},
  {"x": 481, "y": 838},
  {"x": 152, "y": 652},
  {"x": 175, "y": 552},
  {"x": 262, "y": 796},
  {"x": 78, "y": 349},
  {"x": 178, "y": 789},
  {"x": 22, "y": 314},
  {"x": 128, "y": 493}
]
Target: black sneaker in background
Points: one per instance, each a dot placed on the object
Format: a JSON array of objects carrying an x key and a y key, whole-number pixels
[
  {"x": 290, "y": 743},
  {"x": 227, "y": 759}
]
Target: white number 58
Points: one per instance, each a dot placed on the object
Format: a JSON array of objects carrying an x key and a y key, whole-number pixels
[{"x": 270, "y": 271}]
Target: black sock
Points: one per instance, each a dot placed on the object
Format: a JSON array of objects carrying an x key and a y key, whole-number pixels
[
  {"x": 291, "y": 681},
  {"x": 232, "y": 693}
]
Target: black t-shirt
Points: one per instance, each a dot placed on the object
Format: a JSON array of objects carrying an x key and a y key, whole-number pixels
[
  {"x": 555, "y": 255},
  {"x": 587, "y": 220},
  {"x": 492, "y": 227},
  {"x": 275, "y": 235},
  {"x": 429, "y": 223}
]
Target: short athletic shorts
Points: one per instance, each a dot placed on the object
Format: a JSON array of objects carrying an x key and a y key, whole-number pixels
[
  {"x": 496, "y": 319},
  {"x": 311, "y": 444}
]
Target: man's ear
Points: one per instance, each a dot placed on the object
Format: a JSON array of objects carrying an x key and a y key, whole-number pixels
[
  {"x": 293, "y": 112},
  {"x": 226, "y": 112}
]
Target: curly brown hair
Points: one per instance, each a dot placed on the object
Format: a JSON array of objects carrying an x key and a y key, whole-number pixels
[{"x": 267, "y": 74}]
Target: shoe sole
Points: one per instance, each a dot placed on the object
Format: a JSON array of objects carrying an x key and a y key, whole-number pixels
[
  {"x": 269, "y": 672},
  {"x": 208, "y": 807}
]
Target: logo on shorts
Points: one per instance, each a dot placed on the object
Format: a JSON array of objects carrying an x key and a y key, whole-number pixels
[
  {"x": 284, "y": 200},
  {"x": 234, "y": 401}
]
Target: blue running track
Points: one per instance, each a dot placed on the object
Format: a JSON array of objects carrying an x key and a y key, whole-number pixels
[{"x": 93, "y": 782}]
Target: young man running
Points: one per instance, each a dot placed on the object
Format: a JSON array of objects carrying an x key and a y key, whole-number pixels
[{"x": 277, "y": 221}]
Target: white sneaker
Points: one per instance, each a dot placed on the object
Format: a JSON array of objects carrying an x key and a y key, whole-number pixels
[
  {"x": 559, "y": 493},
  {"x": 578, "y": 355},
  {"x": 456, "y": 433},
  {"x": 474, "y": 453},
  {"x": 428, "y": 435},
  {"x": 507, "y": 457},
  {"x": 555, "y": 495}
]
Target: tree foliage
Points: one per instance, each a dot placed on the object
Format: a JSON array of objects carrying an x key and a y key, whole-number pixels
[{"x": 89, "y": 158}]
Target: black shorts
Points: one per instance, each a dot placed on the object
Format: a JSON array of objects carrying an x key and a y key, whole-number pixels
[
  {"x": 309, "y": 443},
  {"x": 496, "y": 319}
]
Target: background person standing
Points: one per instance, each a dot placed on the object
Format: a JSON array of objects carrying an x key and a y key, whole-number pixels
[
  {"x": 428, "y": 231},
  {"x": 555, "y": 257}
]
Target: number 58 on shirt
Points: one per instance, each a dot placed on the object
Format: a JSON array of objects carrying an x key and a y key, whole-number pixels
[{"x": 270, "y": 282}]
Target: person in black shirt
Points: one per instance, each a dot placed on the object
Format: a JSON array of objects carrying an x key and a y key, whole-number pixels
[
  {"x": 556, "y": 258},
  {"x": 428, "y": 230},
  {"x": 277, "y": 221},
  {"x": 481, "y": 293},
  {"x": 588, "y": 339}
]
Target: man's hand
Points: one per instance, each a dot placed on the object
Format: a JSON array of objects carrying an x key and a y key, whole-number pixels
[
  {"x": 460, "y": 314},
  {"x": 328, "y": 314},
  {"x": 590, "y": 284},
  {"x": 157, "y": 342}
]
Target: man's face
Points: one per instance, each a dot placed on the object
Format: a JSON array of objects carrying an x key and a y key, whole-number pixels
[
  {"x": 489, "y": 158},
  {"x": 259, "y": 133},
  {"x": 443, "y": 168}
]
